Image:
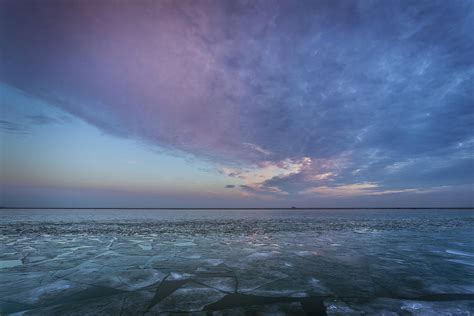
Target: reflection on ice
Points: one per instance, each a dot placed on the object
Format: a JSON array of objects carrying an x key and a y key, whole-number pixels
[{"x": 460, "y": 253}]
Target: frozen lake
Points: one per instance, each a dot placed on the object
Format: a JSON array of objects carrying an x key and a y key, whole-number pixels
[{"x": 232, "y": 262}]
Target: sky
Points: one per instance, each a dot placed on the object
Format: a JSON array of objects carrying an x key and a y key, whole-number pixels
[{"x": 237, "y": 103}]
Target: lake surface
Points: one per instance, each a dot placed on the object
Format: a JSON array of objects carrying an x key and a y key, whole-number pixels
[{"x": 233, "y": 262}]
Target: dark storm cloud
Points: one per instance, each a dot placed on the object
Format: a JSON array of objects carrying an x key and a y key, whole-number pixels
[{"x": 383, "y": 82}]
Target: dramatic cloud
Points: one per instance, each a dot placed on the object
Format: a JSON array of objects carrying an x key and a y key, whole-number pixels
[{"x": 285, "y": 96}]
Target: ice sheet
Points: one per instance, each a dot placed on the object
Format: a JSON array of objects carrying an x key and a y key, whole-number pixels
[{"x": 232, "y": 263}]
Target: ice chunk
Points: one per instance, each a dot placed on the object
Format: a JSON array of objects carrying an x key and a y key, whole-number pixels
[
  {"x": 214, "y": 262},
  {"x": 188, "y": 298},
  {"x": 9, "y": 263},
  {"x": 185, "y": 244},
  {"x": 146, "y": 247},
  {"x": 337, "y": 307},
  {"x": 258, "y": 256},
  {"x": 48, "y": 293},
  {"x": 178, "y": 276},
  {"x": 123, "y": 279},
  {"x": 221, "y": 283},
  {"x": 437, "y": 308}
]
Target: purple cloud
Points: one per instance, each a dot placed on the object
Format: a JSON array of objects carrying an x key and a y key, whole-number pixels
[{"x": 261, "y": 84}]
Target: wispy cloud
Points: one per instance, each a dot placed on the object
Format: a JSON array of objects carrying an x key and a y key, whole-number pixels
[
  {"x": 364, "y": 189},
  {"x": 12, "y": 127},
  {"x": 42, "y": 119}
]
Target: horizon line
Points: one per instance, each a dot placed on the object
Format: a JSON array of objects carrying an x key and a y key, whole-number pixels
[{"x": 235, "y": 208}]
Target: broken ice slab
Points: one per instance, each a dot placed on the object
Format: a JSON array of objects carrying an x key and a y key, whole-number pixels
[
  {"x": 249, "y": 279},
  {"x": 391, "y": 306},
  {"x": 13, "y": 283},
  {"x": 145, "y": 247},
  {"x": 113, "y": 259},
  {"x": 7, "y": 307},
  {"x": 129, "y": 279},
  {"x": 9, "y": 263},
  {"x": 184, "y": 244},
  {"x": 188, "y": 298},
  {"x": 338, "y": 307},
  {"x": 221, "y": 282},
  {"x": 33, "y": 259},
  {"x": 291, "y": 308},
  {"x": 47, "y": 293},
  {"x": 100, "y": 305},
  {"x": 291, "y": 287},
  {"x": 267, "y": 305}
]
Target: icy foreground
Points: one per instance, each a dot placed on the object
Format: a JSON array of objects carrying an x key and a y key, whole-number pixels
[{"x": 263, "y": 262}]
